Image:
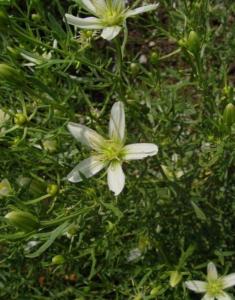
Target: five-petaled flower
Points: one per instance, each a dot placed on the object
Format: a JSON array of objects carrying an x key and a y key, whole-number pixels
[
  {"x": 110, "y": 16},
  {"x": 110, "y": 153},
  {"x": 214, "y": 286}
]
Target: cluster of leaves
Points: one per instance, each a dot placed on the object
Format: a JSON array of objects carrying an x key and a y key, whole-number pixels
[{"x": 177, "y": 210}]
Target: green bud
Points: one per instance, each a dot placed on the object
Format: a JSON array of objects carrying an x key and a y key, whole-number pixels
[
  {"x": 10, "y": 74},
  {"x": 23, "y": 181},
  {"x": 58, "y": 260},
  {"x": 37, "y": 188},
  {"x": 175, "y": 278},
  {"x": 50, "y": 145},
  {"x": 20, "y": 119},
  {"x": 193, "y": 42},
  {"x": 110, "y": 226},
  {"x": 155, "y": 291},
  {"x": 23, "y": 220},
  {"x": 182, "y": 43},
  {"x": 229, "y": 114},
  {"x": 36, "y": 17},
  {"x": 134, "y": 68},
  {"x": 52, "y": 189},
  {"x": 154, "y": 57},
  {"x": 139, "y": 296},
  {"x": 5, "y": 188},
  {"x": 227, "y": 91}
]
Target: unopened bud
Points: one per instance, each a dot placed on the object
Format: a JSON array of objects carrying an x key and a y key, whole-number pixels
[
  {"x": 52, "y": 189},
  {"x": 20, "y": 119},
  {"x": 23, "y": 220},
  {"x": 182, "y": 43},
  {"x": 50, "y": 145},
  {"x": 193, "y": 42},
  {"x": 155, "y": 291},
  {"x": 229, "y": 114},
  {"x": 8, "y": 73},
  {"x": 175, "y": 278},
  {"x": 134, "y": 68},
  {"x": 36, "y": 17},
  {"x": 227, "y": 91},
  {"x": 58, "y": 259},
  {"x": 5, "y": 188},
  {"x": 154, "y": 57}
]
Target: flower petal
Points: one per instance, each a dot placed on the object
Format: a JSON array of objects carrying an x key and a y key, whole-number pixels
[
  {"x": 196, "y": 286},
  {"x": 116, "y": 178},
  {"x": 224, "y": 296},
  {"x": 87, "y": 23},
  {"x": 140, "y": 10},
  {"x": 86, "y": 135},
  {"x": 118, "y": 5},
  {"x": 111, "y": 32},
  {"x": 212, "y": 273},
  {"x": 208, "y": 297},
  {"x": 87, "y": 167},
  {"x": 89, "y": 6},
  {"x": 139, "y": 151},
  {"x": 228, "y": 280},
  {"x": 117, "y": 122}
]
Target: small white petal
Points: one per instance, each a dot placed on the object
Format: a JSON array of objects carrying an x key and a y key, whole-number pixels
[
  {"x": 224, "y": 296},
  {"x": 111, "y": 32},
  {"x": 116, "y": 178},
  {"x": 88, "y": 167},
  {"x": 212, "y": 273},
  {"x": 119, "y": 5},
  {"x": 89, "y": 6},
  {"x": 87, "y": 23},
  {"x": 139, "y": 151},
  {"x": 140, "y": 10},
  {"x": 100, "y": 5},
  {"x": 208, "y": 297},
  {"x": 228, "y": 280},
  {"x": 196, "y": 286},
  {"x": 117, "y": 122},
  {"x": 86, "y": 135}
]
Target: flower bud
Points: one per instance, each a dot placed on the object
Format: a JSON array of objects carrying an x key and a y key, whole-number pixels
[
  {"x": 36, "y": 17},
  {"x": 175, "y": 278},
  {"x": 52, "y": 189},
  {"x": 5, "y": 188},
  {"x": 193, "y": 42},
  {"x": 58, "y": 260},
  {"x": 10, "y": 74},
  {"x": 154, "y": 291},
  {"x": 37, "y": 188},
  {"x": 182, "y": 43},
  {"x": 154, "y": 57},
  {"x": 20, "y": 119},
  {"x": 227, "y": 91},
  {"x": 23, "y": 220},
  {"x": 50, "y": 145},
  {"x": 134, "y": 68},
  {"x": 229, "y": 114}
]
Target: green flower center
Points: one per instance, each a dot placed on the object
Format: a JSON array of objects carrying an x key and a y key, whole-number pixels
[
  {"x": 214, "y": 287},
  {"x": 112, "y": 18},
  {"x": 112, "y": 150}
]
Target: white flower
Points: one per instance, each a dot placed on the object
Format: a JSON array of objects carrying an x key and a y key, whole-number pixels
[
  {"x": 110, "y": 16},
  {"x": 110, "y": 152},
  {"x": 214, "y": 286}
]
